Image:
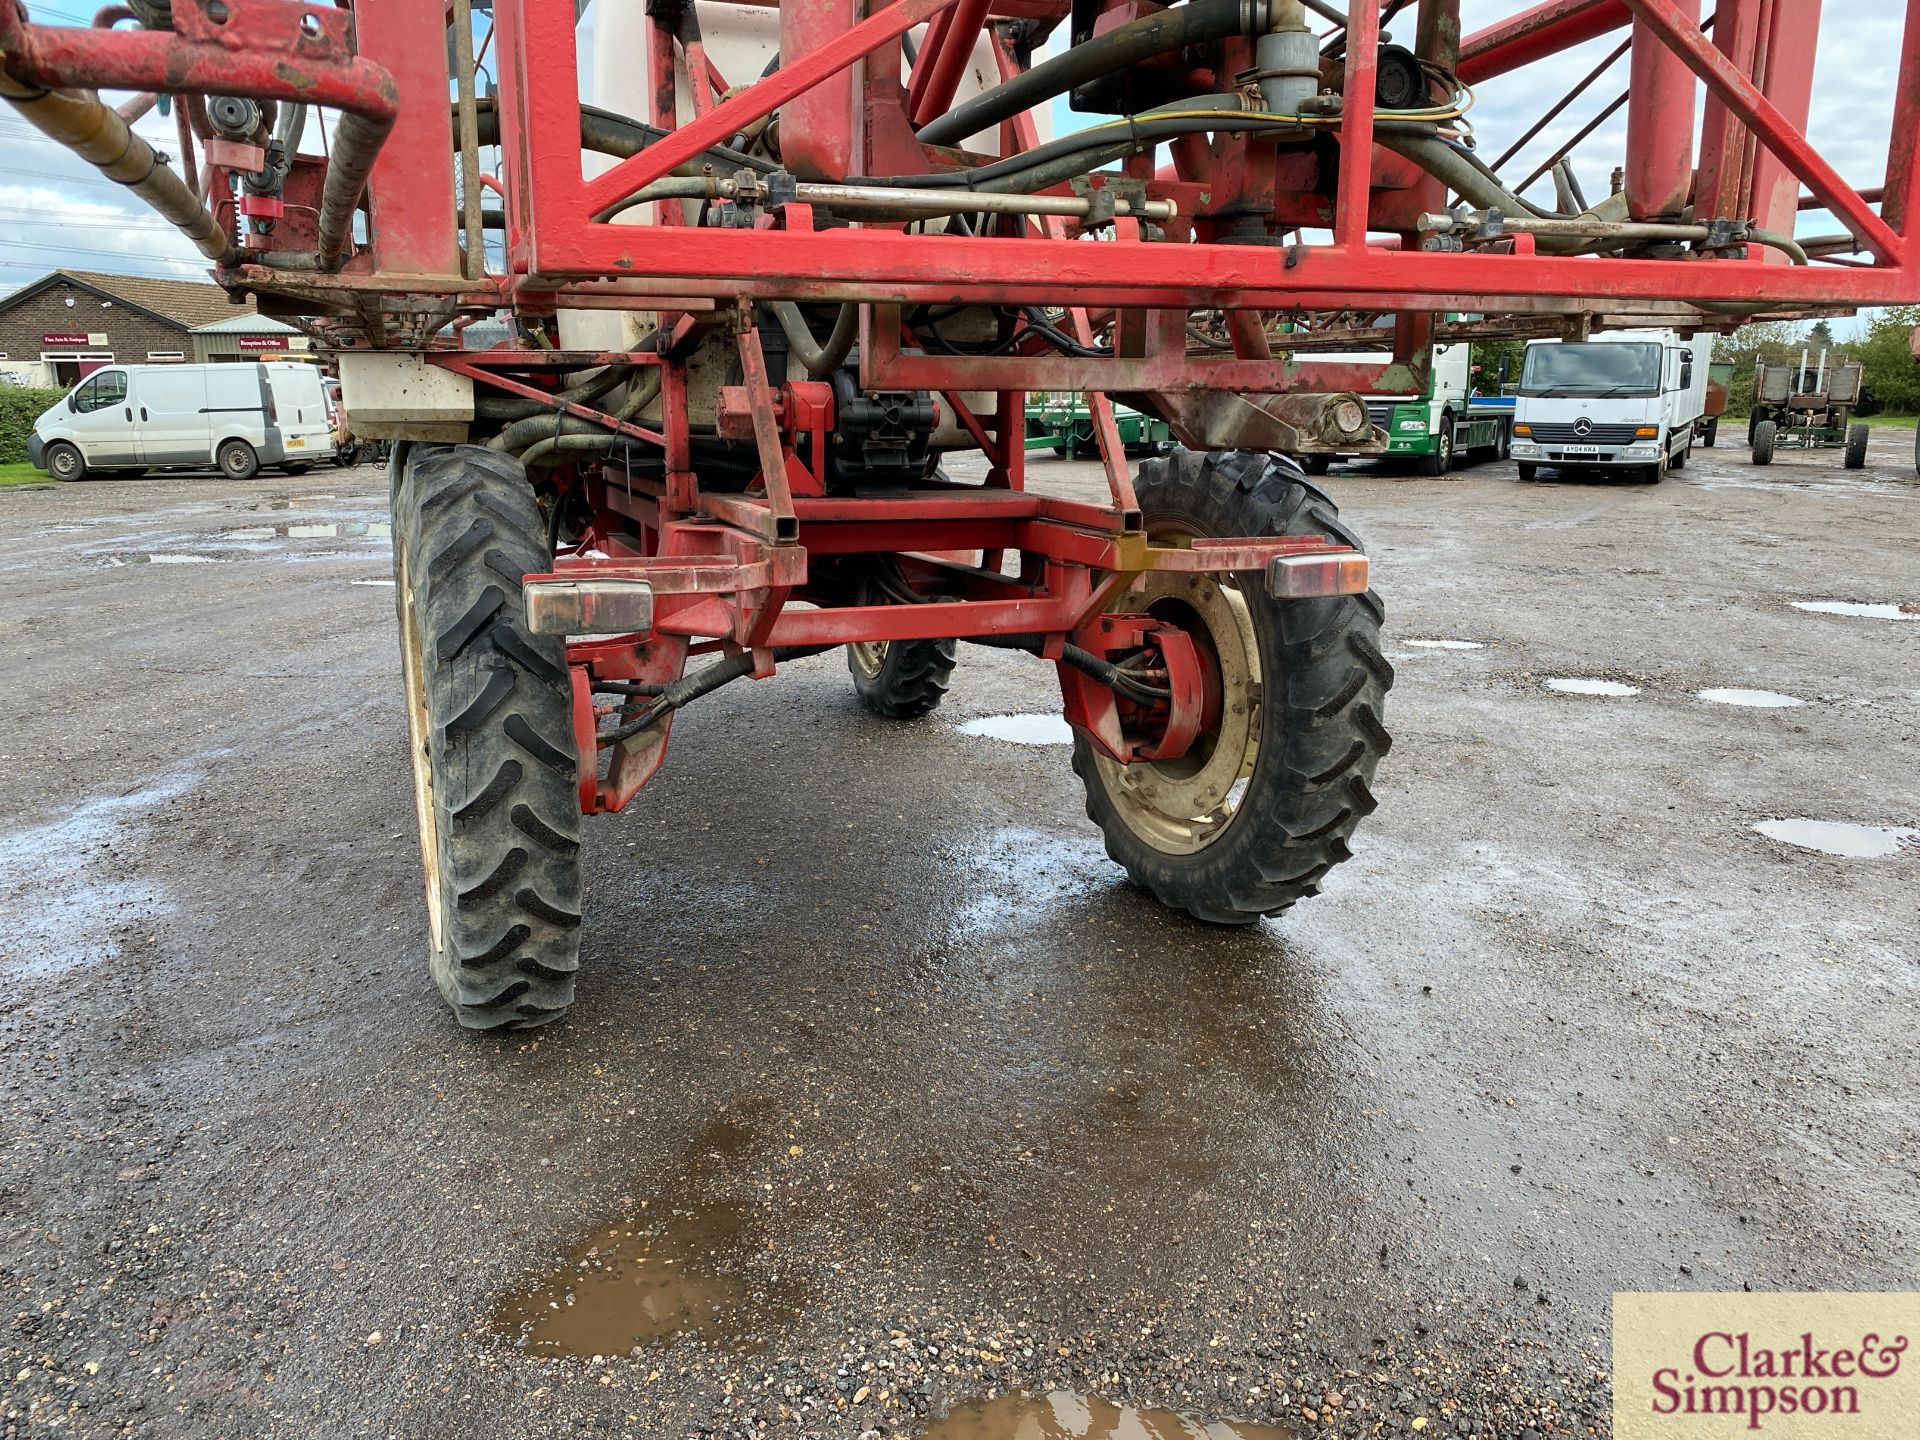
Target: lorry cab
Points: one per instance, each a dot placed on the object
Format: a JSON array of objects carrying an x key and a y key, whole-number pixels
[
  {"x": 1626, "y": 401},
  {"x": 238, "y": 417}
]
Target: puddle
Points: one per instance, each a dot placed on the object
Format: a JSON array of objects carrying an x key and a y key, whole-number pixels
[
  {"x": 1445, "y": 644},
  {"x": 1017, "y": 875},
  {"x": 1021, "y": 729},
  {"x": 389, "y": 584},
  {"x": 1856, "y": 608},
  {"x": 1758, "y": 699},
  {"x": 1569, "y": 686},
  {"x": 161, "y": 558},
  {"x": 1063, "y": 1415},
  {"x": 648, "y": 1281},
  {"x": 1842, "y": 838},
  {"x": 56, "y": 912},
  {"x": 315, "y": 530},
  {"x": 294, "y": 502}
]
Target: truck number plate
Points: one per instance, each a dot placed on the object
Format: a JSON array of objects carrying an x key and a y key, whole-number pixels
[{"x": 1580, "y": 449}]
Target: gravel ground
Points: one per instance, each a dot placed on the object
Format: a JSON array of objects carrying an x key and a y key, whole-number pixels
[{"x": 876, "y": 1052}]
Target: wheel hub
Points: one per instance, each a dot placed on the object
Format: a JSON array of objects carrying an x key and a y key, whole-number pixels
[{"x": 1182, "y": 794}]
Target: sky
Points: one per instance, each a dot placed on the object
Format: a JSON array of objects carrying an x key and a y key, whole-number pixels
[{"x": 57, "y": 210}]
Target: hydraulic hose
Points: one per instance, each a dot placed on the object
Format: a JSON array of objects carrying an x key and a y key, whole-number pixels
[
  {"x": 819, "y": 359},
  {"x": 1199, "y": 22},
  {"x": 356, "y": 145},
  {"x": 605, "y": 133},
  {"x": 97, "y": 134}
]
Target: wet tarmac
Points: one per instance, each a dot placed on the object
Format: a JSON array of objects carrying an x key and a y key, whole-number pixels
[
  {"x": 888, "y": 1103},
  {"x": 1061, "y": 1415}
]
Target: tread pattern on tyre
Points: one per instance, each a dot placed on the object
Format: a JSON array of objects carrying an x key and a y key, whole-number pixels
[
  {"x": 501, "y": 712},
  {"x": 1324, "y": 683},
  {"x": 911, "y": 683}
]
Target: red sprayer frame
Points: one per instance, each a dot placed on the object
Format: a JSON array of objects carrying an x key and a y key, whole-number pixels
[{"x": 1353, "y": 227}]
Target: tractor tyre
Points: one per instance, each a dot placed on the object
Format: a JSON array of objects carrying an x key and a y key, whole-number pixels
[
  {"x": 1261, "y": 807},
  {"x": 1763, "y": 438},
  {"x": 1857, "y": 436},
  {"x": 901, "y": 679},
  {"x": 490, "y": 725}
]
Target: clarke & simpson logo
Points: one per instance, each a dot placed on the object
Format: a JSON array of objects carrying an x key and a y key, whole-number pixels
[{"x": 1788, "y": 1366}]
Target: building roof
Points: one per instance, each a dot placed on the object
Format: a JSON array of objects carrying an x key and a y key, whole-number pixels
[
  {"x": 246, "y": 323},
  {"x": 183, "y": 304}
]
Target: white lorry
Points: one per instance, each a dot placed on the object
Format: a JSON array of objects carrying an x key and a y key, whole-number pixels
[
  {"x": 1439, "y": 429},
  {"x": 237, "y": 417},
  {"x": 1624, "y": 401}
]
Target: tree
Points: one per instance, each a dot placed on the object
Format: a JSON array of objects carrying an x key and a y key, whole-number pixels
[
  {"x": 1773, "y": 341},
  {"x": 1820, "y": 337},
  {"x": 1885, "y": 349}
]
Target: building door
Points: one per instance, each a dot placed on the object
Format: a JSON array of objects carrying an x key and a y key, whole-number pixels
[{"x": 72, "y": 366}]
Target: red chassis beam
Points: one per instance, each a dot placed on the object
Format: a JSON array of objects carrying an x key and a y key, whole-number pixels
[
  {"x": 718, "y": 580},
  {"x": 560, "y": 241}
]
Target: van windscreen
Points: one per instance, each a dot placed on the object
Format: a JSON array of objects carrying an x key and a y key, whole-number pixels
[{"x": 1591, "y": 369}]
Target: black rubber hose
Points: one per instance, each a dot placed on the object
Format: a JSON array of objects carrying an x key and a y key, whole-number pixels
[
  {"x": 1200, "y": 22},
  {"x": 606, "y": 133},
  {"x": 704, "y": 681},
  {"x": 582, "y": 391}
]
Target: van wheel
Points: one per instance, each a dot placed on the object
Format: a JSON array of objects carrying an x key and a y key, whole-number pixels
[
  {"x": 65, "y": 462},
  {"x": 1856, "y": 456},
  {"x": 1764, "y": 434},
  {"x": 237, "y": 460}
]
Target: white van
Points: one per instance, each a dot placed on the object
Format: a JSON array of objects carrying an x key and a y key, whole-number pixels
[
  {"x": 1626, "y": 400},
  {"x": 236, "y": 417}
]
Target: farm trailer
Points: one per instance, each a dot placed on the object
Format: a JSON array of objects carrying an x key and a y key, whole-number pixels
[{"x": 800, "y": 252}]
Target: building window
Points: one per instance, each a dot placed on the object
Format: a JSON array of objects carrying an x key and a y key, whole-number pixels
[{"x": 167, "y": 355}]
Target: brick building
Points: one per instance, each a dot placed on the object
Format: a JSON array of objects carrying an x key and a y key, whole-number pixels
[{"x": 71, "y": 322}]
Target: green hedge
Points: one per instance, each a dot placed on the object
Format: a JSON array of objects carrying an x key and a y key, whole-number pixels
[{"x": 19, "y": 408}]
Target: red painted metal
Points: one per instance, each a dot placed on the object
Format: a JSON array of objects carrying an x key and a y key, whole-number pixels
[
  {"x": 1659, "y": 124},
  {"x": 936, "y": 75},
  {"x": 775, "y": 555},
  {"x": 1537, "y": 34}
]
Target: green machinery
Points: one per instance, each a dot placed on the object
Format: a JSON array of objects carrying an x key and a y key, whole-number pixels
[
  {"x": 1807, "y": 407},
  {"x": 1064, "y": 425}
]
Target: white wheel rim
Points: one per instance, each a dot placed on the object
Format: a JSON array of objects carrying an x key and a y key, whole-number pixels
[{"x": 420, "y": 753}]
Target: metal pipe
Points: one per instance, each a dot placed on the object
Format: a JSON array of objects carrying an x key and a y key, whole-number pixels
[
  {"x": 1595, "y": 226},
  {"x": 468, "y": 111},
  {"x": 93, "y": 131},
  {"x": 1660, "y": 117},
  {"x": 897, "y": 203},
  {"x": 936, "y": 81}
]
